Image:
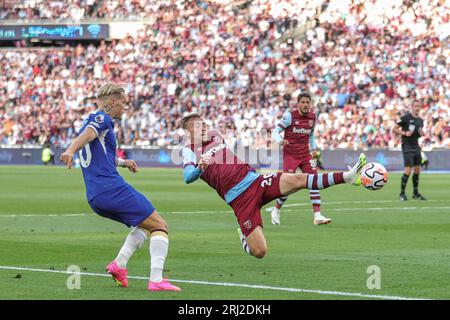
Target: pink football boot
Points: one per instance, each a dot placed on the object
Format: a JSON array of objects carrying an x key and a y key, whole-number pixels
[
  {"x": 163, "y": 285},
  {"x": 119, "y": 275}
]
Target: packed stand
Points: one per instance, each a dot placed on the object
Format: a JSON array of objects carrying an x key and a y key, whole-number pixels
[{"x": 223, "y": 63}]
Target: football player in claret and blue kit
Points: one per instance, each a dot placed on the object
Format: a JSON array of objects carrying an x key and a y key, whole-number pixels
[
  {"x": 206, "y": 156},
  {"x": 299, "y": 151}
]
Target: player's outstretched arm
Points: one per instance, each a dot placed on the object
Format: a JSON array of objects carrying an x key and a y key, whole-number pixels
[
  {"x": 192, "y": 170},
  {"x": 191, "y": 173},
  {"x": 84, "y": 138}
]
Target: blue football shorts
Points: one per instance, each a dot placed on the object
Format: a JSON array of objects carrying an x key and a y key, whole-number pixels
[{"x": 124, "y": 204}]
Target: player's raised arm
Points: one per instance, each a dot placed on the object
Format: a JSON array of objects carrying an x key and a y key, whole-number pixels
[
  {"x": 84, "y": 138},
  {"x": 281, "y": 126}
]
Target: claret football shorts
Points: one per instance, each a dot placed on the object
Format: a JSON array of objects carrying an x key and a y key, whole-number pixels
[
  {"x": 247, "y": 206},
  {"x": 305, "y": 163}
]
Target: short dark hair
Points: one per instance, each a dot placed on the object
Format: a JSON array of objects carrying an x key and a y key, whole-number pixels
[{"x": 304, "y": 94}]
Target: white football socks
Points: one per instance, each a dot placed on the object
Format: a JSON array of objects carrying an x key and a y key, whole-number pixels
[
  {"x": 159, "y": 247},
  {"x": 134, "y": 241}
]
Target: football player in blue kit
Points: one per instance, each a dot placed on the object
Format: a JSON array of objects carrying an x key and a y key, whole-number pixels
[{"x": 110, "y": 196}]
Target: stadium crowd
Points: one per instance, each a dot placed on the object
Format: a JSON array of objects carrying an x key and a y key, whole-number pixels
[
  {"x": 76, "y": 9},
  {"x": 363, "y": 69}
]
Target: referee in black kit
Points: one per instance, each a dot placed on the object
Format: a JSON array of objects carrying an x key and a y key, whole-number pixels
[{"x": 410, "y": 128}]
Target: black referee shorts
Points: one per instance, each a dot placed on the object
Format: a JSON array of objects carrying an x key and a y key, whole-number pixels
[{"x": 412, "y": 158}]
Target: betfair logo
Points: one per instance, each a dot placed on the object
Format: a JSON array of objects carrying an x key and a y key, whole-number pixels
[
  {"x": 302, "y": 131},
  {"x": 214, "y": 150}
]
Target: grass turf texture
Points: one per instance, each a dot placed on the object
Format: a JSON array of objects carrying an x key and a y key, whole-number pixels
[{"x": 369, "y": 228}]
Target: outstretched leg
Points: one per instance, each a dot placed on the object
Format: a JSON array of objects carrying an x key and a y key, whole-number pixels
[{"x": 290, "y": 183}]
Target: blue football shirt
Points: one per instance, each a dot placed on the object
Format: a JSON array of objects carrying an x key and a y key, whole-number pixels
[{"x": 98, "y": 158}]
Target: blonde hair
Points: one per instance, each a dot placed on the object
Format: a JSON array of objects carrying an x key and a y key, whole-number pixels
[
  {"x": 109, "y": 89},
  {"x": 188, "y": 116}
]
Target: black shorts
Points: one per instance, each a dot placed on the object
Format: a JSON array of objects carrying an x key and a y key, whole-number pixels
[{"x": 412, "y": 158}]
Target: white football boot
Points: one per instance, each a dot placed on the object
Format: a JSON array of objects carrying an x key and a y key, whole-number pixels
[
  {"x": 319, "y": 219},
  {"x": 275, "y": 216}
]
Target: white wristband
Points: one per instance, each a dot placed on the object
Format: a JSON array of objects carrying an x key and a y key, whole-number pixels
[{"x": 120, "y": 162}]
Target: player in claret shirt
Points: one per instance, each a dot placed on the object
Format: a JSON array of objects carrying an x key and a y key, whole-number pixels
[
  {"x": 299, "y": 151},
  {"x": 206, "y": 156},
  {"x": 111, "y": 197}
]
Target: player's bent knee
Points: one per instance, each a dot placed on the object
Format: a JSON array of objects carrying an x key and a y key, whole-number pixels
[
  {"x": 259, "y": 252},
  {"x": 160, "y": 226},
  {"x": 154, "y": 223}
]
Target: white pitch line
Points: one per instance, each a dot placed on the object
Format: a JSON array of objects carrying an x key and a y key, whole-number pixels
[
  {"x": 187, "y": 212},
  {"x": 307, "y": 203},
  {"x": 375, "y": 209},
  {"x": 44, "y": 215},
  {"x": 228, "y": 284}
]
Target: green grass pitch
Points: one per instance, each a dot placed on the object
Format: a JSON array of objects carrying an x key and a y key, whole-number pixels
[{"x": 408, "y": 241}]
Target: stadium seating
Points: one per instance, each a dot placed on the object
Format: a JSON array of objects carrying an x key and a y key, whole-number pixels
[{"x": 363, "y": 69}]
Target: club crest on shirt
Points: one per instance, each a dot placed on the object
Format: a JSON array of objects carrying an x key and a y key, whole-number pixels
[
  {"x": 247, "y": 224},
  {"x": 99, "y": 118},
  {"x": 297, "y": 122},
  {"x": 311, "y": 123}
]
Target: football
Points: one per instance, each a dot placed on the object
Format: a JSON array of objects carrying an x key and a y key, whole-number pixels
[{"x": 374, "y": 176}]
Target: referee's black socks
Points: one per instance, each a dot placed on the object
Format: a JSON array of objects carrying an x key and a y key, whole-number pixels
[
  {"x": 415, "y": 179},
  {"x": 405, "y": 181}
]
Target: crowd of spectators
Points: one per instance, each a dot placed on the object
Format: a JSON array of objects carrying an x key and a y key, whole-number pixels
[
  {"x": 58, "y": 10},
  {"x": 364, "y": 66}
]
